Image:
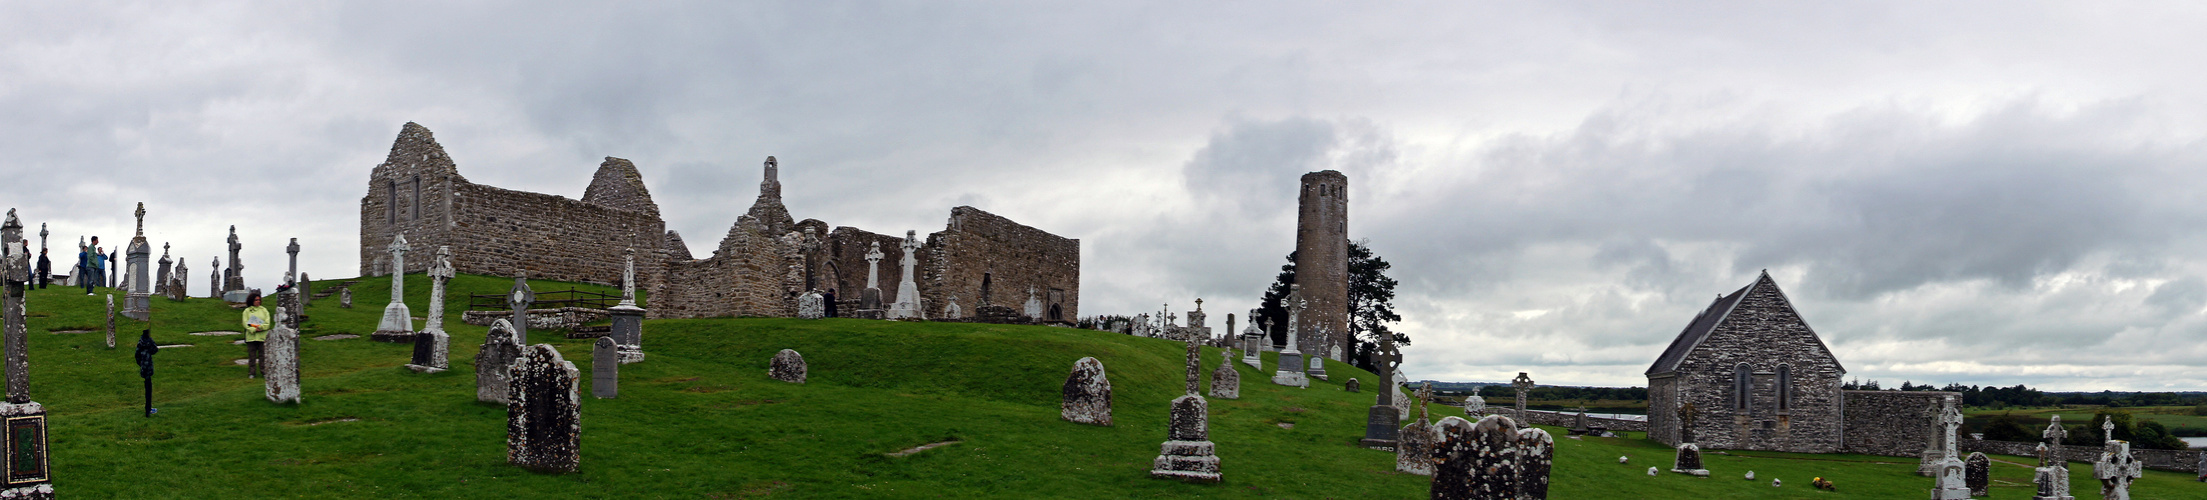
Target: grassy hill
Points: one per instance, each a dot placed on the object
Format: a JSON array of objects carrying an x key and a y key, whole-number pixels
[{"x": 699, "y": 419}]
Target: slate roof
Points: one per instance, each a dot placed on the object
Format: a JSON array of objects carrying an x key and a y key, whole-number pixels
[{"x": 1699, "y": 329}]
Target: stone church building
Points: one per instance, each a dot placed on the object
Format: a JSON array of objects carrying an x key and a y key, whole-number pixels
[
  {"x": 993, "y": 267},
  {"x": 1759, "y": 378}
]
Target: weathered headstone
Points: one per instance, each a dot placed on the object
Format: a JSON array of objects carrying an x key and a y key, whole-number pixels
[
  {"x": 1188, "y": 453},
  {"x": 1384, "y": 418},
  {"x": 291, "y": 276},
  {"x": 1289, "y": 366},
  {"x": 1689, "y": 454},
  {"x": 1536, "y": 452},
  {"x": 306, "y": 290},
  {"x": 1353, "y": 385},
  {"x": 787, "y": 366},
  {"x": 398, "y": 321},
  {"x": 1318, "y": 357},
  {"x": 179, "y": 279},
  {"x": 161, "y": 274},
  {"x": 628, "y": 320},
  {"x": 1475, "y": 406},
  {"x": 1475, "y": 461},
  {"x": 1087, "y": 394},
  {"x": 281, "y": 352},
  {"x": 1979, "y": 475},
  {"x": 138, "y": 298},
  {"x": 811, "y": 305},
  {"x": 2201, "y": 462},
  {"x": 605, "y": 369},
  {"x": 1225, "y": 382},
  {"x": 432, "y": 346},
  {"x": 1414, "y": 442},
  {"x": 214, "y": 280},
  {"x": 519, "y": 299},
  {"x": 907, "y": 304},
  {"x": 543, "y": 416},
  {"x": 2117, "y": 468},
  {"x": 498, "y": 352},
  {"x": 345, "y": 298}
]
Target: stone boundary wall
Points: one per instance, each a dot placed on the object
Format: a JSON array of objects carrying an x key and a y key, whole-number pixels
[
  {"x": 564, "y": 318},
  {"x": 1568, "y": 419},
  {"x": 2169, "y": 460},
  {"x": 1892, "y": 423}
]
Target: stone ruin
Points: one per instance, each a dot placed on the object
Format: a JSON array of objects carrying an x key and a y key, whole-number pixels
[
  {"x": 1087, "y": 394},
  {"x": 281, "y": 373},
  {"x": 758, "y": 269},
  {"x": 1414, "y": 442},
  {"x": 605, "y": 369},
  {"x": 1225, "y": 381},
  {"x": 543, "y": 416},
  {"x": 787, "y": 366},
  {"x": 1188, "y": 453},
  {"x": 499, "y": 352}
]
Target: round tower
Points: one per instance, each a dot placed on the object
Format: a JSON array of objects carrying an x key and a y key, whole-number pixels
[{"x": 1322, "y": 262}]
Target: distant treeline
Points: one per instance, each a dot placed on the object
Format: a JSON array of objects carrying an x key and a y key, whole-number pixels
[{"x": 2019, "y": 395}]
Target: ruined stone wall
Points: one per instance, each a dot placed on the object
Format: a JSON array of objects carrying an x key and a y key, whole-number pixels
[
  {"x": 986, "y": 259},
  {"x": 845, "y": 272},
  {"x": 1892, "y": 423},
  {"x": 741, "y": 278},
  {"x": 1763, "y": 333},
  {"x": 2168, "y": 460},
  {"x": 1322, "y": 258},
  {"x": 1663, "y": 409},
  {"x": 418, "y": 191}
]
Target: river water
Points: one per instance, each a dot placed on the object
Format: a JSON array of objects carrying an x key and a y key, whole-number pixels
[{"x": 2196, "y": 442}]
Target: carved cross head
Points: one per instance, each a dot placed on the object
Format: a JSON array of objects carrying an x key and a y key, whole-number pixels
[{"x": 1522, "y": 382}]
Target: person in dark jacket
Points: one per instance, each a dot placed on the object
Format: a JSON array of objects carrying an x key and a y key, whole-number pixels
[{"x": 45, "y": 269}]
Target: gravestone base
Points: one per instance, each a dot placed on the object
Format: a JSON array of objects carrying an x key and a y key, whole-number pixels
[
  {"x": 1689, "y": 461},
  {"x": 235, "y": 296},
  {"x": 393, "y": 337},
  {"x": 27, "y": 422},
  {"x": 137, "y": 306},
  {"x": 1290, "y": 371},
  {"x": 1188, "y": 453},
  {"x": 631, "y": 354}
]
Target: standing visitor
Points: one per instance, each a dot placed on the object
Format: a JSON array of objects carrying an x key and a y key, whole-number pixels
[
  {"x": 83, "y": 274},
  {"x": 256, "y": 333},
  {"x": 45, "y": 269}
]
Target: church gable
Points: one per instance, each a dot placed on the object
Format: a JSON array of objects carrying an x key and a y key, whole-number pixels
[{"x": 1751, "y": 319}]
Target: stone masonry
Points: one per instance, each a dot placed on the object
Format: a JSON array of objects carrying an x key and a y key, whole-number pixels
[
  {"x": 1322, "y": 260},
  {"x": 1759, "y": 376}
]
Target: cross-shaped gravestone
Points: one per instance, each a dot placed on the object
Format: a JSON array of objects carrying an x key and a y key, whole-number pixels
[
  {"x": 290, "y": 277},
  {"x": 1195, "y": 364},
  {"x": 141, "y": 213},
  {"x": 1524, "y": 384},
  {"x": 2117, "y": 469},
  {"x": 1951, "y": 419},
  {"x": 1386, "y": 359},
  {"x": 2107, "y": 429},
  {"x": 873, "y": 266},
  {"x": 1425, "y": 396},
  {"x": 520, "y": 299}
]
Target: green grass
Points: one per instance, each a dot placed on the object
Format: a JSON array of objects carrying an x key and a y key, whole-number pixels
[{"x": 699, "y": 419}]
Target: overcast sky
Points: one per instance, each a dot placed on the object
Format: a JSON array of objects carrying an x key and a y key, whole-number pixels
[{"x": 1995, "y": 193}]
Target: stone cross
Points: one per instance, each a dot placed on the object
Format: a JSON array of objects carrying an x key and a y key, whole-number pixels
[
  {"x": 1524, "y": 384},
  {"x": 17, "y": 264},
  {"x": 908, "y": 291},
  {"x": 519, "y": 299},
  {"x": 1386, "y": 359},
  {"x": 214, "y": 283},
  {"x": 873, "y": 266},
  {"x": 440, "y": 272},
  {"x": 1425, "y": 397},
  {"x": 237, "y": 265},
  {"x": 2053, "y": 470},
  {"x": 1294, "y": 315},
  {"x": 1951, "y": 419},
  {"x": 141, "y": 213},
  {"x": 1195, "y": 364},
  {"x": 2117, "y": 469},
  {"x": 2107, "y": 429},
  {"x": 398, "y": 321},
  {"x": 293, "y": 249}
]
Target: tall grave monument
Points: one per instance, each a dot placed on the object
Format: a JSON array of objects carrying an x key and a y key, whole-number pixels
[
  {"x": 1953, "y": 483},
  {"x": 2053, "y": 470},
  {"x": 628, "y": 319},
  {"x": 908, "y": 291},
  {"x": 1290, "y": 364},
  {"x": 291, "y": 277},
  {"x": 24, "y": 443},
  {"x": 138, "y": 304},
  {"x": 2116, "y": 468},
  {"x": 1688, "y": 460},
  {"x": 869, "y": 301},
  {"x": 1251, "y": 353},
  {"x": 161, "y": 274},
  {"x": 432, "y": 347},
  {"x": 1380, "y": 431},
  {"x": 234, "y": 280},
  {"x": 1524, "y": 385},
  {"x": 282, "y": 350},
  {"x": 520, "y": 298},
  {"x": 1188, "y": 453},
  {"x": 398, "y": 322}
]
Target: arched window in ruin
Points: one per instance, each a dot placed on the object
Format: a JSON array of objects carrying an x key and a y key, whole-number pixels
[
  {"x": 1743, "y": 385},
  {"x": 1785, "y": 387},
  {"x": 987, "y": 280},
  {"x": 416, "y": 213}
]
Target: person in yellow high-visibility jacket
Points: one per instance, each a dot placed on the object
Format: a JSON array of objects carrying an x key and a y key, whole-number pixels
[{"x": 256, "y": 333}]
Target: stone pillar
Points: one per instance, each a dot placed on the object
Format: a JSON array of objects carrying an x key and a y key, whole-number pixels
[
  {"x": 398, "y": 322},
  {"x": 26, "y": 471},
  {"x": 111, "y": 321},
  {"x": 543, "y": 415},
  {"x": 628, "y": 320},
  {"x": 1524, "y": 385}
]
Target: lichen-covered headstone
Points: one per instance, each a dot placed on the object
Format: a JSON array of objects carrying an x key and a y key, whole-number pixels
[
  {"x": 432, "y": 351},
  {"x": 281, "y": 353},
  {"x": 1087, "y": 394},
  {"x": 605, "y": 369},
  {"x": 1188, "y": 453},
  {"x": 788, "y": 366},
  {"x": 110, "y": 321},
  {"x": 1225, "y": 382},
  {"x": 1475, "y": 406},
  {"x": 1536, "y": 452},
  {"x": 498, "y": 353},
  {"x": 1352, "y": 386},
  {"x": 811, "y": 305},
  {"x": 1414, "y": 448},
  {"x": 2202, "y": 463},
  {"x": 2117, "y": 469},
  {"x": 345, "y": 297},
  {"x": 1475, "y": 460},
  {"x": 1689, "y": 460},
  {"x": 543, "y": 418},
  {"x": 1979, "y": 475}
]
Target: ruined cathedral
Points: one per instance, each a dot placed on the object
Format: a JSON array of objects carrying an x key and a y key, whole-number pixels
[{"x": 979, "y": 267}]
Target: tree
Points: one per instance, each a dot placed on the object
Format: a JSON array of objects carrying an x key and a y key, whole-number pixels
[{"x": 1371, "y": 304}]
